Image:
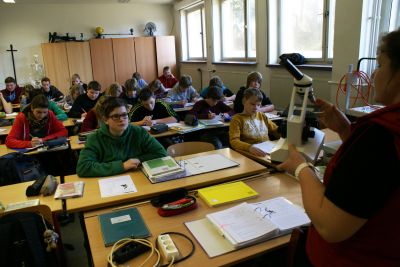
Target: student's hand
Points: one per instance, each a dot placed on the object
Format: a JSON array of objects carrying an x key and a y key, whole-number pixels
[
  {"x": 333, "y": 118},
  {"x": 36, "y": 141},
  {"x": 83, "y": 115},
  {"x": 295, "y": 159},
  {"x": 257, "y": 152},
  {"x": 211, "y": 115},
  {"x": 131, "y": 164},
  {"x": 147, "y": 121}
]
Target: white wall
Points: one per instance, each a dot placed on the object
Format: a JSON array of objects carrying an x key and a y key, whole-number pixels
[
  {"x": 26, "y": 26},
  {"x": 277, "y": 82}
]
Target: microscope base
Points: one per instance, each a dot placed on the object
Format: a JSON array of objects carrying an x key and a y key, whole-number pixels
[{"x": 310, "y": 149}]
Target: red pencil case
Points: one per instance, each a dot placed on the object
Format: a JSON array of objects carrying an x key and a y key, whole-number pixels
[{"x": 182, "y": 205}]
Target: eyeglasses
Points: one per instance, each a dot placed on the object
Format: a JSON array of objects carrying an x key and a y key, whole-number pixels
[{"x": 117, "y": 117}]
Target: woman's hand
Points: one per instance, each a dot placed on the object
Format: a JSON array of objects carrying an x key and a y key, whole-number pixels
[
  {"x": 333, "y": 118},
  {"x": 256, "y": 151},
  {"x": 294, "y": 159},
  {"x": 36, "y": 142},
  {"x": 131, "y": 164}
]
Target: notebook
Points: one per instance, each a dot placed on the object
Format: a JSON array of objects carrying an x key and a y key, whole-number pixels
[
  {"x": 122, "y": 224},
  {"x": 69, "y": 190},
  {"x": 162, "y": 168},
  {"x": 226, "y": 193},
  {"x": 246, "y": 224}
]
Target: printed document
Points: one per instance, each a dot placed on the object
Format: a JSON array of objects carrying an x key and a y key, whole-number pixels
[{"x": 116, "y": 186}]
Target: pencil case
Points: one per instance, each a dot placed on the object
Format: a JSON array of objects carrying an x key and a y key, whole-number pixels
[{"x": 180, "y": 206}]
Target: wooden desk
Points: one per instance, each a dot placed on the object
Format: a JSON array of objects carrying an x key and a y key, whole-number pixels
[
  {"x": 6, "y": 131},
  {"x": 329, "y": 137},
  {"x": 16, "y": 193},
  {"x": 267, "y": 186},
  {"x": 92, "y": 200},
  {"x": 69, "y": 122}
]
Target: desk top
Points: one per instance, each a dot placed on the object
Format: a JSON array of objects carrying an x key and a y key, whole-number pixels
[
  {"x": 16, "y": 193},
  {"x": 92, "y": 200},
  {"x": 267, "y": 186}
]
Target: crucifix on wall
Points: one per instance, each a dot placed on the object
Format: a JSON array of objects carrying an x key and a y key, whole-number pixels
[{"x": 13, "y": 62}]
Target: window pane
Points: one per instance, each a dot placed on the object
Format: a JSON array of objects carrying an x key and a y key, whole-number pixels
[
  {"x": 204, "y": 33},
  {"x": 331, "y": 27},
  {"x": 251, "y": 28},
  {"x": 232, "y": 14},
  {"x": 301, "y": 27},
  {"x": 194, "y": 34}
]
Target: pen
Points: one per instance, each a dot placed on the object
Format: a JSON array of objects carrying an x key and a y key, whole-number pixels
[{"x": 84, "y": 111}]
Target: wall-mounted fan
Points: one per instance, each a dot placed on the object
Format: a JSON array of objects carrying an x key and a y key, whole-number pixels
[{"x": 150, "y": 28}]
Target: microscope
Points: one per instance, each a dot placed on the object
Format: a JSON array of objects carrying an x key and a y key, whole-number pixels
[{"x": 299, "y": 130}]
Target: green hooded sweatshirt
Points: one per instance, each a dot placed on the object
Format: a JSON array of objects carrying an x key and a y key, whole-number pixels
[{"x": 105, "y": 154}]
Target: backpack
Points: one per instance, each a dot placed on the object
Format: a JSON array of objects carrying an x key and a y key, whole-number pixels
[
  {"x": 17, "y": 168},
  {"x": 22, "y": 242}
]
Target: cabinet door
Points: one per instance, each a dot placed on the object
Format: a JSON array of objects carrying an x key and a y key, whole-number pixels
[
  {"x": 124, "y": 59},
  {"x": 166, "y": 56},
  {"x": 79, "y": 60},
  {"x": 146, "y": 59},
  {"x": 56, "y": 65},
  {"x": 101, "y": 54}
]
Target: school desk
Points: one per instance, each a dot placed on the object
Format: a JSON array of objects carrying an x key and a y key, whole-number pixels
[
  {"x": 92, "y": 199},
  {"x": 268, "y": 186}
]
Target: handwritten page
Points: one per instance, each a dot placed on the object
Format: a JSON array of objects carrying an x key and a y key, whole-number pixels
[
  {"x": 266, "y": 146},
  {"x": 282, "y": 213},
  {"x": 116, "y": 186}
]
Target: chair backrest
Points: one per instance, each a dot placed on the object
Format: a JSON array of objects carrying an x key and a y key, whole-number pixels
[
  {"x": 40, "y": 209},
  {"x": 187, "y": 148}
]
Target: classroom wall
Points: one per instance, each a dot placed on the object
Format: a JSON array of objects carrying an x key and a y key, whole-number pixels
[
  {"x": 277, "y": 82},
  {"x": 26, "y": 26}
]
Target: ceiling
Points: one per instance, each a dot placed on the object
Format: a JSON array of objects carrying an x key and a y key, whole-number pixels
[{"x": 93, "y": 1}]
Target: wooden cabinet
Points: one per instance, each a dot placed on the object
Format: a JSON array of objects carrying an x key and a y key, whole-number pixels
[
  {"x": 108, "y": 60},
  {"x": 62, "y": 60}
]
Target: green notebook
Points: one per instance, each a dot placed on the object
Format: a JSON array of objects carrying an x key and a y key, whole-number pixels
[{"x": 122, "y": 224}]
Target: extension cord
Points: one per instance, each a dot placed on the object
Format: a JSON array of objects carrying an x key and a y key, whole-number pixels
[{"x": 167, "y": 247}]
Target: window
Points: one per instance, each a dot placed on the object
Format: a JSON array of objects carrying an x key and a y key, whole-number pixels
[
  {"x": 237, "y": 32},
  {"x": 194, "y": 34},
  {"x": 302, "y": 26}
]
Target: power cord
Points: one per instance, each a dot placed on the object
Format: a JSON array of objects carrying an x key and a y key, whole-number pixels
[
  {"x": 124, "y": 241},
  {"x": 183, "y": 258}
]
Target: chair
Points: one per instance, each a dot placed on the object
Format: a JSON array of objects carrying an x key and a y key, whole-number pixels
[{"x": 187, "y": 148}]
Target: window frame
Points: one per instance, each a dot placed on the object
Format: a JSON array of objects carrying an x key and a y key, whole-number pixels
[
  {"x": 201, "y": 7},
  {"x": 275, "y": 14},
  {"x": 246, "y": 57}
]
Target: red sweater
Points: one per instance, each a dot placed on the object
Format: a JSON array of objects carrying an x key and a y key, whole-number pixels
[
  {"x": 19, "y": 136},
  {"x": 169, "y": 81}
]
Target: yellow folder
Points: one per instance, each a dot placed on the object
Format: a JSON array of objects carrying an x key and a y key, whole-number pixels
[{"x": 226, "y": 193}]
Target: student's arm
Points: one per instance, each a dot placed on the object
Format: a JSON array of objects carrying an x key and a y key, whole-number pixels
[
  {"x": 199, "y": 111},
  {"x": 58, "y": 95},
  {"x": 89, "y": 162},
  {"x": 151, "y": 147},
  {"x": 76, "y": 109},
  {"x": 15, "y": 139},
  {"x": 225, "y": 108},
  {"x": 90, "y": 122},
  {"x": 235, "y": 129},
  {"x": 237, "y": 104},
  {"x": 6, "y": 106},
  {"x": 60, "y": 114},
  {"x": 56, "y": 128}
]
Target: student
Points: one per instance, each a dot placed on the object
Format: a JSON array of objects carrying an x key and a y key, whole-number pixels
[
  {"x": 76, "y": 79},
  {"x": 50, "y": 91},
  {"x": 208, "y": 108},
  {"x": 12, "y": 92},
  {"x": 251, "y": 126},
  {"x": 75, "y": 91},
  {"x": 4, "y": 105},
  {"x": 254, "y": 80},
  {"x": 140, "y": 82},
  {"x": 35, "y": 124},
  {"x": 354, "y": 211},
  {"x": 93, "y": 117},
  {"x": 30, "y": 92},
  {"x": 167, "y": 78},
  {"x": 216, "y": 81},
  {"x": 183, "y": 92},
  {"x": 116, "y": 146},
  {"x": 84, "y": 103},
  {"x": 114, "y": 90},
  {"x": 158, "y": 89},
  {"x": 131, "y": 92},
  {"x": 151, "y": 111}
]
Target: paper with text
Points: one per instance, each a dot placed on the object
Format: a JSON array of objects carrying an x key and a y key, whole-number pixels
[{"x": 115, "y": 186}]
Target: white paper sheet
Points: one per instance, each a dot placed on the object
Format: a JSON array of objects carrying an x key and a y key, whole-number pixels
[
  {"x": 115, "y": 186},
  {"x": 266, "y": 146}
]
